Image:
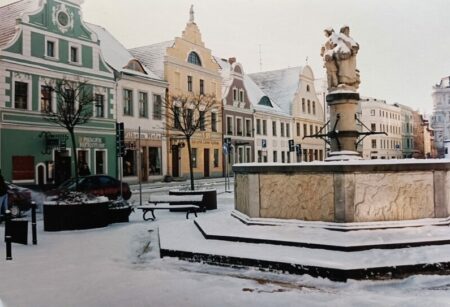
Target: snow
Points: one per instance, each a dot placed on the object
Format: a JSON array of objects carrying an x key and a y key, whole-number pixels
[
  {"x": 174, "y": 198},
  {"x": 120, "y": 266}
]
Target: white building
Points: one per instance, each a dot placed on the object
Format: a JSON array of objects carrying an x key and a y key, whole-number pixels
[
  {"x": 271, "y": 143},
  {"x": 294, "y": 91},
  {"x": 440, "y": 120},
  {"x": 379, "y": 116},
  {"x": 140, "y": 94}
]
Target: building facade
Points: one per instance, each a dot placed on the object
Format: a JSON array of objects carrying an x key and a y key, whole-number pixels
[
  {"x": 237, "y": 119},
  {"x": 190, "y": 69},
  {"x": 440, "y": 120},
  {"x": 294, "y": 91},
  {"x": 379, "y": 116},
  {"x": 41, "y": 43},
  {"x": 408, "y": 145},
  {"x": 140, "y": 94}
]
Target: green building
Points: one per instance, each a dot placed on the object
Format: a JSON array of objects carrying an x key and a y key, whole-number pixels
[{"x": 41, "y": 42}]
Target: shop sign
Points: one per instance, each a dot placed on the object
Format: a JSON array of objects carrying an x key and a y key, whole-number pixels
[{"x": 91, "y": 142}]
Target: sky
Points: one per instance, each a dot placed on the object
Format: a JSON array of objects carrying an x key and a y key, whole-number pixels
[{"x": 404, "y": 44}]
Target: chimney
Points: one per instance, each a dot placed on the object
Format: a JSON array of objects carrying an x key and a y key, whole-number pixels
[{"x": 232, "y": 60}]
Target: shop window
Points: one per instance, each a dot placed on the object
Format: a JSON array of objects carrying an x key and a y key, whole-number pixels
[
  {"x": 129, "y": 163},
  {"x": 20, "y": 95},
  {"x": 216, "y": 158},
  {"x": 100, "y": 162},
  {"x": 22, "y": 168},
  {"x": 154, "y": 161}
]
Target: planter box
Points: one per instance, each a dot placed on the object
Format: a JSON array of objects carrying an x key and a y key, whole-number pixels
[
  {"x": 209, "y": 197},
  {"x": 59, "y": 217},
  {"x": 119, "y": 215}
]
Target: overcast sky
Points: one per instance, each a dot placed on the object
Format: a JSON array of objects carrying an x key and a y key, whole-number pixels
[{"x": 404, "y": 44}]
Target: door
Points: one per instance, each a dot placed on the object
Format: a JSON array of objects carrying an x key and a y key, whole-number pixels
[
  {"x": 175, "y": 161},
  {"x": 206, "y": 162},
  {"x": 62, "y": 166}
]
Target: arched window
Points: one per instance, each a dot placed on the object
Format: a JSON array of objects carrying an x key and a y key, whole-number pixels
[
  {"x": 307, "y": 88},
  {"x": 265, "y": 101},
  {"x": 135, "y": 65},
  {"x": 194, "y": 59}
]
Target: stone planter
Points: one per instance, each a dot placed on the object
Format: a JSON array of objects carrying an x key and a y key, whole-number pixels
[
  {"x": 59, "y": 216},
  {"x": 209, "y": 197},
  {"x": 119, "y": 215}
]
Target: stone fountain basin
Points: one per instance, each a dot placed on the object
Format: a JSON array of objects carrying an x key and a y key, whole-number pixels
[{"x": 345, "y": 191}]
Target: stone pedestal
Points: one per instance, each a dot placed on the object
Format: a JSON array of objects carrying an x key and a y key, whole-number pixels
[{"x": 344, "y": 133}]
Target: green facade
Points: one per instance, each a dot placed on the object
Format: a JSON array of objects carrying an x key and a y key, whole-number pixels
[{"x": 22, "y": 132}]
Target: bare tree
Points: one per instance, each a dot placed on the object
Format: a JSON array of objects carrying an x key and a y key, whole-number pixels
[
  {"x": 186, "y": 115},
  {"x": 74, "y": 107}
]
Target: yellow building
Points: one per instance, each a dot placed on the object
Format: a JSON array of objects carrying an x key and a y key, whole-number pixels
[{"x": 190, "y": 69}]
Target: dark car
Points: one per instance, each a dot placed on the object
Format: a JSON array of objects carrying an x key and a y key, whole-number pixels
[
  {"x": 19, "y": 199},
  {"x": 99, "y": 185}
]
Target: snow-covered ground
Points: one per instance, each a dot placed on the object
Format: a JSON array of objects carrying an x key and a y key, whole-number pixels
[{"x": 120, "y": 266}]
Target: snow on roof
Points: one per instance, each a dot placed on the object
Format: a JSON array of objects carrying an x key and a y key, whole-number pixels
[
  {"x": 255, "y": 93},
  {"x": 281, "y": 85},
  {"x": 153, "y": 56},
  {"x": 225, "y": 73},
  {"x": 115, "y": 54},
  {"x": 8, "y": 15}
]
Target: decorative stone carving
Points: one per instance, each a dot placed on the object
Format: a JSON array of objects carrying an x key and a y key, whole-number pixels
[{"x": 62, "y": 18}]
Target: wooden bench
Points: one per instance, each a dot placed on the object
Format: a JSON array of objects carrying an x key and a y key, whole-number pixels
[{"x": 189, "y": 202}]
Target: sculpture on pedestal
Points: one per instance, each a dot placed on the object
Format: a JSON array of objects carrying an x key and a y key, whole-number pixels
[{"x": 339, "y": 54}]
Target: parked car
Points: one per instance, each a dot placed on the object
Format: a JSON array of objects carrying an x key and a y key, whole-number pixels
[
  {"x": 99, "y": 185},
  {"x": 19, "y": 199}
]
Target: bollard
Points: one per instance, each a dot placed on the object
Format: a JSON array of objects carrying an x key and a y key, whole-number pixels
[
  {"x": 33, "y": 222},
  {"x": 8, "y": 235}
]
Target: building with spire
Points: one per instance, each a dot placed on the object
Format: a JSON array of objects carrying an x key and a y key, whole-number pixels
[{"x": 189, "y": 68}]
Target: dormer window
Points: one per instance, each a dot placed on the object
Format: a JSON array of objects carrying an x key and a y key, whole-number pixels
[
  {"x": 136, "y": 66},
  {"x": 194, "y": 59},
  {"x": 265, "y": 101}
]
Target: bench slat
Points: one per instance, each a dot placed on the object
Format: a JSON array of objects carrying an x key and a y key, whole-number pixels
[
  {"x": 175, "y": 198},
  {"x": 156, "y": 207}
]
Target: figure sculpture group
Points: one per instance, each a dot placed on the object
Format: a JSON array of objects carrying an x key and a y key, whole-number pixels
[{"x": 339, "y": 55}]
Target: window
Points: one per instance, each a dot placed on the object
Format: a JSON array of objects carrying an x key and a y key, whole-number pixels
[
  {"x": 373, "y": 127},
  {"x": 264, "y": 130},
  {"x": 241, "y": 154},
  {"x": 235, "y": 94},
  {"x": 274, "y": 128},
  {"x": 189, "y": 83},
  {"x": 248, "y": 127},
  {"x": 143, "y": 104},
  {"x": 202, "y": 87},
  {"x": 46, "y": 98},
  {"x": 154, "y": 161},
  {"x": 303, "y": 105},
  {"x": 314, "y": 107},
  {"x": 20, "y": 95},
  {"x": 275, "y": 158},
  {"x": 283, "y": 160},
  {"x": 229, "y": 125},
  {"x": 316, "y": 128},
  {"x": 157, "y": 107},
  {"x": 258, "y": 126},
  {"x": 70, "y": 100},
  {"x": 50, "y": 49},
  {"x": 311, "y": 130},
  {"x": 100, "y": 162},
  {"x": 194, "y": 59},
  {"x": 128, "y": 102},
  {"x": 309, "y": 107},
  {"x": 248, "y": 157},
  {"x": 282, "y": 129},
  {"x": 99, "y": 105},
  {"x": 239, "y": 126},
  {"x": 213, "y": 122},
  {"x": 74, "y": 54},
  {"x": 194, "y": 157},
  {"x": 216, "y": 158},
  {"x": 241, "y": 96},
  {"x": 189, "y": 118},
  {"x": 176, "y": 118},
  {"x": 288, "y": 130},
  {"x": 307, "y": 88},
  {"x": 305, "y": 130},
  {"x": 374, "y": 143},
  {"x": 202, "y": 120}
]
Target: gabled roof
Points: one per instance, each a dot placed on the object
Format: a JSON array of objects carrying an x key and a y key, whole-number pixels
[
  {"x": 280, "y": 85},
  {"x": 8, "y": 15},
  {"x": 255, "y": 94},
  {"x": 116, "y": 55},
  {"x": 225, "y": 73},
  {"x": 153, "y": 56}
]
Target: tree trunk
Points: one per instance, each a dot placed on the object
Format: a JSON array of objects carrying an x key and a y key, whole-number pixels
[
  {"x": 191, "y": 168},
  {"x": 75, "y": 156}
]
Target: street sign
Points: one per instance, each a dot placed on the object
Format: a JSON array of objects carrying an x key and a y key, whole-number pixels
[
  {"x": 120, "y": 139},
  {"x": 291, "y": 146}
]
